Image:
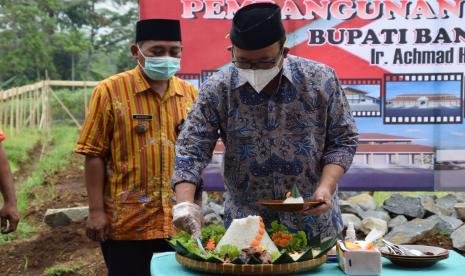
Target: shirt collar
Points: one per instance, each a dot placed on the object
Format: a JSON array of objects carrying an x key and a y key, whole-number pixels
[
  {"x": 143, "y": 85},
  {"x": 237, "y": 81}
]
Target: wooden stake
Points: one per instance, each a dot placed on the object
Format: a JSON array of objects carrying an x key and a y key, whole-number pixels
[
  {"x": 5, "y": 109},
  {"x": 66, "y": 109},
  {"x": 85, "y": 99},
  {"x": 12, "y": 108}
]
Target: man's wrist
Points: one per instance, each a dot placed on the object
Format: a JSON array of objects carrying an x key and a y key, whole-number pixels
[
  {"x": 327, "y": 187},
  {"x": 10, "y": 202},
  {"x": 185, "y": 192}
]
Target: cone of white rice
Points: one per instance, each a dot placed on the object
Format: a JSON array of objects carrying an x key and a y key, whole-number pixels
[{"x": 248, "y": 232}]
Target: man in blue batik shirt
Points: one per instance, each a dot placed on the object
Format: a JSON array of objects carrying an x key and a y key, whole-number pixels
[{"x": 284, "y": 120}]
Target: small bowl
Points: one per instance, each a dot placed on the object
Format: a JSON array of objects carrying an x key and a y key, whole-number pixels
[
  {"x": 432, "y": 256},
  {"x": 277, "y": 205}
]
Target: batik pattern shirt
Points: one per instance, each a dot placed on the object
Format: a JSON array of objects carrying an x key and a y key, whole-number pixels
[
  {"x": 272, "y": 142},
  {"x": 134, "y": 131}
]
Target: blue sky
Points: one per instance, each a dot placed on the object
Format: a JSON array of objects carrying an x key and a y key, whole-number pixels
[
  {"x": 423, "y": 87},
  {"x": 374, "y": 90},
  {"x": 441, "y": 136}
]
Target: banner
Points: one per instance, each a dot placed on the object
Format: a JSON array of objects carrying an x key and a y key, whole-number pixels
[{"x": 401, "y": 64}]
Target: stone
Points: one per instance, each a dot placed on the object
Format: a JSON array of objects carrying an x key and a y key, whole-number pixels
[
  {"x": 376, "y": 214},
  {"x": 204, "y": 198},
  {"x": 206, "y": 209},
  {"x": 446, "y": 204},
  {"x": 446, "y": 225},
  {"x": 61, "y": 217},
  {"x": 458, "y": 238},
  {"x": 351, "y": 218},
  {"x": 429, "y": 205},
  {"x": 365, "y": 201},
  {"x": 412, "y": 231},
  {"x": 404, "y": 205},
  {"x": 460, "y": 210},
  {"x": 397, "y": 221},
  {"x": 218, "y": 209},
  {"x": 213, "y": 218},
  {"x": 347, "y": 195},
  {"x": 369, "y": 224},
  {"x": 460, "y": 197},
  {"x": 347, "y": 207}
]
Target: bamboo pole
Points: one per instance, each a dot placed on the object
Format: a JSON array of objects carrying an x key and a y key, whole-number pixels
[
  {"x": 17, "y": 112},
  {"x": 85, "y": 99},
  {"x": 21, "y": 111},
  {"x": 5, "y": 109},
  {"x": 48, "y": 109},
  {"x": 12, "y": 108},
  {"x": 37, "y": 101},
  {"x": 65, "y": 109}
]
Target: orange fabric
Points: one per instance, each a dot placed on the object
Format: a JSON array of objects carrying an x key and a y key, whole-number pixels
[{"x": 139, "y": 164}]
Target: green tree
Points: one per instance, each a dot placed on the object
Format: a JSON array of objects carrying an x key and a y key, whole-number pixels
[{"x": 70, "y": 39}]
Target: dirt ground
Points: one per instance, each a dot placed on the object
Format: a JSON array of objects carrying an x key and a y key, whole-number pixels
[{"x": 65, "y": 246}]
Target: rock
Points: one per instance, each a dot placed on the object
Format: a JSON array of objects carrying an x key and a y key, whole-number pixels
[
  {"x": 347, "y": 207},
  {"x": 365, "y": 201},
  {"x": 369, "y": 223},
  {"x": 460, "y": 197},
  {"x": 347, "y": 195},
  {"x": 206, "y": 209},
  {"x": 204, "y": 198},
  {"x": 213, "y": 218},
  {"x": 412, "y": 231},
  {"x": 65, "y": 216},
  {"x": 376, "y": 214},
  {"x": 429, "y": 204},
  {"x": 446, "y": 204},
  {"x": 446, "y": 225},
  {"x": 347, "y": 218},
  {"x": 460, "y": 210},
  {"x": 404, "y": 205},
  {"x": 399, "y": 220},
  {"x": 218, "y": 209},
  {"x": 458, "y": 238}
]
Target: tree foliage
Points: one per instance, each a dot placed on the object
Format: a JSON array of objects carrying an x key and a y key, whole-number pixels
[{"x": 68, "y": 39}]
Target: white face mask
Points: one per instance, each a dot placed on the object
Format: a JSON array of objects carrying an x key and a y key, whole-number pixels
[{"x": 259, "y": 78}]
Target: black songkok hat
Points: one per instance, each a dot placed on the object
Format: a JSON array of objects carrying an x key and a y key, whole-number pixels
[
  {"x": 257, "y": 26},
  {"x": 158, "y": 29}
]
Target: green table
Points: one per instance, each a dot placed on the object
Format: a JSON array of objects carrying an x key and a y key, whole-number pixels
[{"x": 165, "y": 265}]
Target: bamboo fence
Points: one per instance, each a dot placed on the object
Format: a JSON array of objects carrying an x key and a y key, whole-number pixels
[{"x": 29, "y": 106}]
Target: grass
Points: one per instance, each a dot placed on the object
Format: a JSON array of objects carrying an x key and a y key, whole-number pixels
[
  {"x": 63, "y": 140},
  {"x": 62, "y": 270},
  {"x": 17, "y": 146}
]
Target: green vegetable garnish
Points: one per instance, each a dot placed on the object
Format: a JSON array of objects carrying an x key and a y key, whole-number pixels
[
  {"x": 298, "y": 241},
  {"x": 275, "y": 255},
  {"x": 295, "y": 192},
  {"x": 212, "y": 231},
  {"x": 229, "y": 251}
]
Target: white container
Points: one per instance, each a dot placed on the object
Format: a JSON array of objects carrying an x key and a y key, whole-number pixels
[{"x": 358, "y": 262}]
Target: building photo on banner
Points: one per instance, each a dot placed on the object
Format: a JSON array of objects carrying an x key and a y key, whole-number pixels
[{"x": 401, "y": 65}]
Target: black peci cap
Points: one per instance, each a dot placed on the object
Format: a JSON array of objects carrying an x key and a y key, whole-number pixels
[
  {"x": 257, "y": 26},
  {"x": 158, "y": 29}
]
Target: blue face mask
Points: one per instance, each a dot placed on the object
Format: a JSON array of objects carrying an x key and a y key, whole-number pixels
[{"x": 160, "y": 68}]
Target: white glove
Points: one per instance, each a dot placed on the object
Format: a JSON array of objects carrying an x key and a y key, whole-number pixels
[{"x": 188, "y": 216}]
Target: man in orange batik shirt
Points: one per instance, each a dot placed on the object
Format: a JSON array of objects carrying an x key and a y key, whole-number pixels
[{"x": 128, "y": 139}]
